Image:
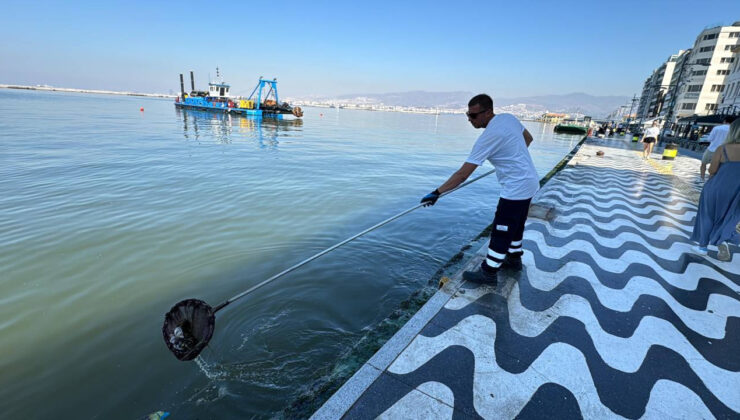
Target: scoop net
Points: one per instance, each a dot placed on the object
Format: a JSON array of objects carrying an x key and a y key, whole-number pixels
[{"x": 188, "y": 328}]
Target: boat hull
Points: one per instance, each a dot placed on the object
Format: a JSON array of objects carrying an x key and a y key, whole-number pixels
[
  {"x": 233, "y": 110},
  {"x": 570, "y": 129}
]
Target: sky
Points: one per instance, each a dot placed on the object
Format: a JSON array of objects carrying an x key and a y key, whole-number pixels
[{"x": 313, "y": 47}]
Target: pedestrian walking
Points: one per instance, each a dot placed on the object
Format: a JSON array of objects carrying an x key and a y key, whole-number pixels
[
  {"x": 504, "y": 143},
  {"x": 716, "y": 137},
  {"x": 649, "y": 139},
  {"x": 719, "y": 204}
]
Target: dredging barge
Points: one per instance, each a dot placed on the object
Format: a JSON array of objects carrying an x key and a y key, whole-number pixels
[{"x": 217, "y": 99}]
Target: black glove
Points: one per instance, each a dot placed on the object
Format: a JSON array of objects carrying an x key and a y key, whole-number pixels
[{"x": 430, "y": 198}]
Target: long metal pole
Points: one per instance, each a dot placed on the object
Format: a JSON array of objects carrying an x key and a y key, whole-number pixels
[{"x": 332, "y": 248}]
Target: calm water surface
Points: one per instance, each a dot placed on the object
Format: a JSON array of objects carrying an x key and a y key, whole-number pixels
[{"x": 109, "y": 215}]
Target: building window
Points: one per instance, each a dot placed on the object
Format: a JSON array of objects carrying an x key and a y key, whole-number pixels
[
  {"x": 690, "y": 106},
  {"x": 698, "y": 72},
  {"x": 734, "y": 34},
  {"x": 718, "y": 88},
  {"x": 722, "y": 72},
  {"x": 728, "y": 47},
  {"x": 704, "y": 61},
  {"x": 727, "y": 60},
  {"x": 705, "y": 49},
  {"x": 694, "y": 88},
  {"x": 710, "y": 107},
  {"x": 709, "y": 36}
]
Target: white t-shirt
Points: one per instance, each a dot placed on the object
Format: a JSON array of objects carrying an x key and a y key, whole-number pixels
[
  {"x": 653, "y": 132},
  {"x": 502, "y": 143},
  {"x": 718, "y": 136}
]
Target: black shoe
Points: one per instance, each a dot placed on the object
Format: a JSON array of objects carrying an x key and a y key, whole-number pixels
[
  {"x": 512, "y": 262},
  {"x": 480, "y": 277}
]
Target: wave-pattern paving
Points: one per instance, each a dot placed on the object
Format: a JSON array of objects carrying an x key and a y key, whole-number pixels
[{"x": 612, "y": 316}]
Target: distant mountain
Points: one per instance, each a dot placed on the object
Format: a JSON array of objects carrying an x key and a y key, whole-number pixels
[
  {"x": 415, "y": 98},
  {"x": 596, "y": 106}
]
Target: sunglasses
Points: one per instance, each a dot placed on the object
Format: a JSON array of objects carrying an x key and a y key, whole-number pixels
[{"x": 474, "y": 115}]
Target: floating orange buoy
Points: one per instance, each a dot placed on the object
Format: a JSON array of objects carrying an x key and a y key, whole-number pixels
[{"x": 141, "y": 109}]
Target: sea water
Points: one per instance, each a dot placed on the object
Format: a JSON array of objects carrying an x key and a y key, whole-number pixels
[{"x": 110, "y": 215}]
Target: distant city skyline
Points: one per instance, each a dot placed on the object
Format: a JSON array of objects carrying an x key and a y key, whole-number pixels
[
  {"x": 528, "y": 107},
  {"x": 330, "y": 49}
]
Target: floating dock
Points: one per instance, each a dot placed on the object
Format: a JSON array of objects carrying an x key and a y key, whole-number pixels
[{"x": 570, "y": 129}]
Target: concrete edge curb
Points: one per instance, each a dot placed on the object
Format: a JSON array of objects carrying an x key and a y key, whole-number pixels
[{"x": 346, "y": 396}]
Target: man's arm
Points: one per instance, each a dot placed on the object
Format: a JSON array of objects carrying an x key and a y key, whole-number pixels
[
  {"x": 527, "y": 137},
  {"x": 458, "y": 177}
]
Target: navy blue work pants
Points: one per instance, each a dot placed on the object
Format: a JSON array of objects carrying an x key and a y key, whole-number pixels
[{"x": 507, "y": 232}]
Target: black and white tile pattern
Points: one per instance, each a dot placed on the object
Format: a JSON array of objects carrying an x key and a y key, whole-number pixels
[{"x": 612, "y": 317}]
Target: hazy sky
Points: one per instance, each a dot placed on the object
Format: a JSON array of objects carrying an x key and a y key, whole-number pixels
[{"x": 515, "y": 48}]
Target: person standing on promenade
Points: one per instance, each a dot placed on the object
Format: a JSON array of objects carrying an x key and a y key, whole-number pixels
[
  {"x": 716, "y": 137},
  {"x": 719, "y": 203},
  {"x": 649, "y": 139},
  {"x": 504, "y": 143}
]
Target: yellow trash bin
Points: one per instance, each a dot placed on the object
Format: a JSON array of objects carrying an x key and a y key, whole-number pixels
[{"x": 670, "y": 151}]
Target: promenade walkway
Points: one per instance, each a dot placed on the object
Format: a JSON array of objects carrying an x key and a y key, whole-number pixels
[{"x": 613, "y": 315}]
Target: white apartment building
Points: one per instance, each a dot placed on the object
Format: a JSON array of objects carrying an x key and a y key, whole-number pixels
[
  {"x": 704, "y": 71},
  {"x": 654, "y": 90},
  {"x": 731, "y": 97},
  {"x": 679, "y": 66}
]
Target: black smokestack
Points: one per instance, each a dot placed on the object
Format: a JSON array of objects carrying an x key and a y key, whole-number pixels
[
  {"x": 192, "y": 81},
  {"x": 182, "y": 86}
]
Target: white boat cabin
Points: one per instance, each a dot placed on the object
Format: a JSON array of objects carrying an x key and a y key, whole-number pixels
[{"x": 218, "y": 90}]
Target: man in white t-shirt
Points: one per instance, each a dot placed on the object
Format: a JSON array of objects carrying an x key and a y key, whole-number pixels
[
  {"x": 504, "y": 143},
  {"x": 716, "y": 137}
]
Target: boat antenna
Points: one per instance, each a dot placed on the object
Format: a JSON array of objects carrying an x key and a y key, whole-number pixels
[{"x": 189, "y": 325}]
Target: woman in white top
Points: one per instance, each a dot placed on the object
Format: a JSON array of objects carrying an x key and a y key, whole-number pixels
[{"x": 649, "y": 139}]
